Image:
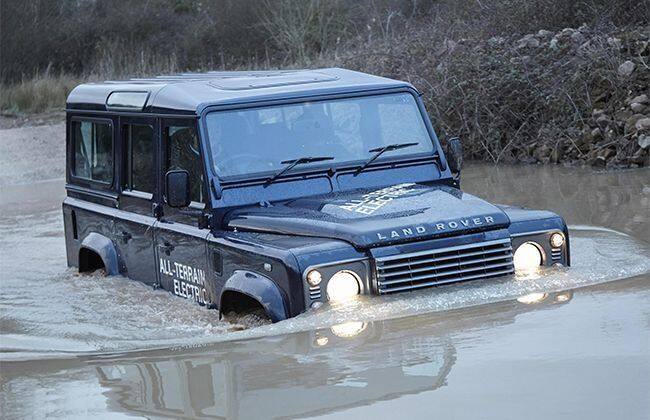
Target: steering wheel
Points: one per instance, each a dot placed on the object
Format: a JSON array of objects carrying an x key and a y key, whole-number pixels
[{"x": 244, "y": 161}]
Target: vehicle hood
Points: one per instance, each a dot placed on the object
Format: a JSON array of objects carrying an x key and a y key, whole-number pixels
[{"x": 368, "y": 218}]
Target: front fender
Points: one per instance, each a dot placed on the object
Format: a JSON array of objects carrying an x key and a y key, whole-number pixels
[
  {"x": 105, "y": 248},
  {"x": 260, "y": 288}
]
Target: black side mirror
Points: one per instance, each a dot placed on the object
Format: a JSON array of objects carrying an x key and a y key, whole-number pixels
[
  {"x": 177, "y": 188},
  {"x": 455, "y": 155}
]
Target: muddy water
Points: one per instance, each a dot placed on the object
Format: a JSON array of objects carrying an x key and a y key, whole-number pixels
[{"x": 567, "y": 344}]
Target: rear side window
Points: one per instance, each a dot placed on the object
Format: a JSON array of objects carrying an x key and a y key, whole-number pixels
[
  {"x": 93, "y": 151},
  {"x": 139, "y": 158}
]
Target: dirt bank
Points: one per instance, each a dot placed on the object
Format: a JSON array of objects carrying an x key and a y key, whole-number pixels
[{"x": 32, "y": 153}]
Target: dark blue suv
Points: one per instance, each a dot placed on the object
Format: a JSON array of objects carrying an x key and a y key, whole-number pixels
[{"x": 273, "y": 192}]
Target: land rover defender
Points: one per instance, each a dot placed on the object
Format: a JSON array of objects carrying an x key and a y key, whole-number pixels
[{"x": 275, "y": 192}]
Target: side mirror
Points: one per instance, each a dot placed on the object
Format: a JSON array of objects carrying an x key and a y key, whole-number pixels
[
  {"x": 455, "y": 155},
  {"x": 177, "y": 188}
]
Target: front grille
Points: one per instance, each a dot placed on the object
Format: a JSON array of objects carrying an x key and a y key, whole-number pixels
[{"x": 481, "y": 260}]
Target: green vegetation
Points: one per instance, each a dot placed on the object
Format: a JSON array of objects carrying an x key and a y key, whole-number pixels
[{"x": 518, "y": 80}]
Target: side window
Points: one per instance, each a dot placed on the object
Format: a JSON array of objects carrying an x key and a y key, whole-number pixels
[
  {"x": 93, "y": 151},
  {"x": 139, "y": 147},
  {"x": 184, "y": 152}
]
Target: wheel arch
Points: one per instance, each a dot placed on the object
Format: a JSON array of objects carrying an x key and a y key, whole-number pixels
[
  {"x": 102, "y": 247},
  {"x": 258, "y": 287}
]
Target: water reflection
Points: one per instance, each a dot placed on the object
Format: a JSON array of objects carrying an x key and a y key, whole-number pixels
[
  {"x": 302, "y": 374},
  {"x": 619, "y": 200}
]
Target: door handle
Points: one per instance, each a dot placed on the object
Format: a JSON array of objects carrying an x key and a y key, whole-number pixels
[
  {"x": 125, "y": 236},
  {"x": 166, "y": 247}
]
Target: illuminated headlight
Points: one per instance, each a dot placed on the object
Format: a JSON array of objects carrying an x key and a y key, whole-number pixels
[
  {"x": 527, "y": 257},
  {"x": 343, "y": 285},
  {"x": 557, "y": 240},
  {"x": 314, "y": 278}
]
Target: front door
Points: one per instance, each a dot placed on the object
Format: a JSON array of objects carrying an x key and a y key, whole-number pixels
[
  {"x": 180, "y": 245},
  {"x": 133, "y": 228}
]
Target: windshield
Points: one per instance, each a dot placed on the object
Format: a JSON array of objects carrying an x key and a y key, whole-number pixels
[{"x": 257, "y": 140}]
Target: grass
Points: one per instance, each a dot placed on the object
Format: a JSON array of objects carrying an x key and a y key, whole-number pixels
[{"x": 40, "y": 94}]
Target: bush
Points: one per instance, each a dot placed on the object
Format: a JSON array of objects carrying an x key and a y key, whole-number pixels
[{"x": 486, "y": 71}]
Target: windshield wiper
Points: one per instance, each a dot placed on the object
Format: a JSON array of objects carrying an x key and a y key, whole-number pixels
[
  {"x": 295, "y": 162},
  {"x": 380, "y": 151}
]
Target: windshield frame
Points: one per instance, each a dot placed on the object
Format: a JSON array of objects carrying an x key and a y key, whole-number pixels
[{"x": 260, "y": 177}]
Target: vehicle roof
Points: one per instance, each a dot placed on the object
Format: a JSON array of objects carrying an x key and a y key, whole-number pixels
[{"x": 190, "y": 93}]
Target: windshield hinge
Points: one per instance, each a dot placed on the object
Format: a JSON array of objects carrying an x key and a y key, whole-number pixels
[{"x": 216, "y": 189}]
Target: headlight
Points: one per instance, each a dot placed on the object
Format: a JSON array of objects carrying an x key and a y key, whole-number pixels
[
  {"x": 343, "y": 285},
  {"x": 527, "y": 257},
  {"x": 557, "y": 240},
  {"x": 314, "y": 278}
]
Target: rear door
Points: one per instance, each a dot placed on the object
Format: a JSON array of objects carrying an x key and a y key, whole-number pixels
[
  {"x": 133, "y": 228},
  {"x": 180, "y": 244}
]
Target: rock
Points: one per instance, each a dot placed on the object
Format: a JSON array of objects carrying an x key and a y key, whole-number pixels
[
  {"x": 614, "y": 43},
  {"x": 637, "y": 107},
  {"x": 554, "y": 44},
  {"x": 496, "y": 40},
  {"x": 565, "y": 33},
  {"x": 630, "y": 123},
  {"x": 598, "y": 162},
  {"x": 643, "y": 124},
  {"x": 596, "y": 134},
  {"x": 543, "y": 33},
  {"x": 577, "y": 38},
  {"x": 529, "y": 41},
  {"x": 621, "y": 116},
  {"x": 641, "y": 99},
  {"x": 602, "y": 120},
  {"x": 644, "y": 141},
  {"x": 626, "y": 68}
]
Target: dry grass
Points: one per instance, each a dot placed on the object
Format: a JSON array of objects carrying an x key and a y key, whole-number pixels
[{"x": 42, "y": 93}]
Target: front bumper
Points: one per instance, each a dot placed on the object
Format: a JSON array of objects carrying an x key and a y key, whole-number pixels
[{"x": 423, "y": 264}]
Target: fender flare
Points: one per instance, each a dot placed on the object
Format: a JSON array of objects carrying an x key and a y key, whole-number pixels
[
  {"x": 105, "y": 248},
  {"x": 261, "y": 288}
]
